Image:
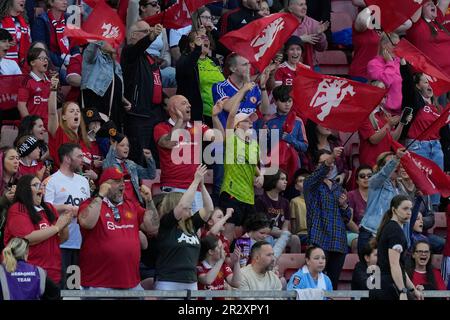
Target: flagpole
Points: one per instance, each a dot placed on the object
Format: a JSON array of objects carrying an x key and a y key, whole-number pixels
[{"x": 348, "y": 139}]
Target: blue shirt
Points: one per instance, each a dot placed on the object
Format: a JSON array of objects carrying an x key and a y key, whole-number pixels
[
  {"x": 248, "y": 105},
  {"x": 326, "y": 221},
  {"x": 300, "y": 280}
]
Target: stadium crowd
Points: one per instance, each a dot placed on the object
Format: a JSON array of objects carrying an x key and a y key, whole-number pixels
[{"x": 105, "y": 168}]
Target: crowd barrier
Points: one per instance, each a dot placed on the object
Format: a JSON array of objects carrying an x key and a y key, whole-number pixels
[{"x": 208, "y": 294}]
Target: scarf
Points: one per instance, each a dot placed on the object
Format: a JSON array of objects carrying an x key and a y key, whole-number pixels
[
  {"x": 320, "y": 281},
  {"x": 62, "y": 43},
  {"x": 21, "y": 36}
]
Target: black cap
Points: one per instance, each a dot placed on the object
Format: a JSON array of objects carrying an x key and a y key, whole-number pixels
[
  {"x": 91, "y": 114},
  {"x": 106, "y": 129},
  {"x": 5, "y": 35},
  {"x": 118, "y": 137},
  {"x": 293, "y": 40}
]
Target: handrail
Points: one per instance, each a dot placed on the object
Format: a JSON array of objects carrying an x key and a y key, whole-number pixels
[{"x": 208, "y": 294}]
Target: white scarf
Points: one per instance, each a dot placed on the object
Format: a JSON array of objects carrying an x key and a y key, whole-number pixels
[{"x": 320, "y": 281}]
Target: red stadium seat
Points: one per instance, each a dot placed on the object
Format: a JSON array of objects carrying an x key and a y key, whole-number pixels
[
  {"x": 289, "y": 263},
  {"x": 340, "y": 21},
  {"x": 333, "y": 62},
  {"x": 440, "y": 224},
  {"x": 344, "y": 6}
]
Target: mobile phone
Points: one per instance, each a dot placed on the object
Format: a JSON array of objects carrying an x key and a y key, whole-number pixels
[{"x": 405, "y": 114}]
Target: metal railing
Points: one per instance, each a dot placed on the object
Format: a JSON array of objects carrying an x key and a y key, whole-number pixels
[{"x": 208, "y": 294}]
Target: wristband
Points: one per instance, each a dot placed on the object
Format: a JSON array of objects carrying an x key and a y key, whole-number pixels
[
  {"x": 263, "y": 89},
  {"x": 100, "y": 196}
]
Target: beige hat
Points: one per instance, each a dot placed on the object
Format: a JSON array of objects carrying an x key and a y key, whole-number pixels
[{"x": 241, "y": 116}]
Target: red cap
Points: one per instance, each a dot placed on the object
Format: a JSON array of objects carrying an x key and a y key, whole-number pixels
[{"x": 110, "y": 173}]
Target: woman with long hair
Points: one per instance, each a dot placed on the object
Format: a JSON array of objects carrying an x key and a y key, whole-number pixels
[
  {"x": 320, "y": 138},
  {"x": 196, "y": 74},
  {"x": 178, "y": 243},
  {"x": 392, "y": 248},
  {"x": 17, "y": 286},
  {"x": 38, "y": 222},
  {"x": 33, "y": 125},
  {"x": 12, "y": 19},
  {"x": 420, "y": 269},
  {"x": 9, "y": 168},
  {"x": 70, "y": 128}
]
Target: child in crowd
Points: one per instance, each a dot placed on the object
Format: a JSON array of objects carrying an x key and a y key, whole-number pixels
[
  {"x": 360, "y": 274},
  {"x": 276, "y": 208},
  {"x": 34, "y": 93},
  {"x": 311, "y": 275},
  {"x": 118, "y": 157},
  {"x": 29, "y": 151},
  {"x": 212, "y": 270},
  {"x": 215, "y": 227},
  {"x": 297, "y": 208}
]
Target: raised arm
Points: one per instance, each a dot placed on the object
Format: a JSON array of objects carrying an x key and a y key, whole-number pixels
[
  {"x": 234, "y": 102},
  {"x": 188, "y": 197},
  {"x": 166, "y": 140},
  {"x": 88, "y": 217},
  {"x": 150, "y": 225},
  {"x": 215, "y": 229},
  {"x": 53, "y": 121}
]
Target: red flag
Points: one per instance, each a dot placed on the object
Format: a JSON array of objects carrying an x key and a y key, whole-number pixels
[
  {"x": 9, "y": 89},
  {"x": 443, "y": 120},
  {"x": 394, "y": 13},
  {"x": 79, "y": 36},
  {"x": 425, "y": 173},
  {"x": 175, "y": 17},
  {"x": 439, "y": 80},
  {"x": 261, "y": 39},
  {"x": 335, "y": 103},
  {"x": 104, "y": 22}
]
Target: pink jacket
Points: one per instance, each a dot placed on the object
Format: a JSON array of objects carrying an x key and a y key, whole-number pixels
[
  {"x": 389, "y": 74},
  {"x": 309, "y": 26}
]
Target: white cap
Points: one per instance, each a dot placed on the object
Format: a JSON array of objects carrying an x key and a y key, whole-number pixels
[{"x": 241, "y": 116}]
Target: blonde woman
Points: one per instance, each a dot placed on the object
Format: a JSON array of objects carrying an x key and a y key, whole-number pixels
[
  {"x": 20, "y": 280},
  {"x": 178, "y": 243}
]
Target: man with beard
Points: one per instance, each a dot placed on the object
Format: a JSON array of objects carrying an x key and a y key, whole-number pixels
[
  {"x": 65, "y": 190},
  {"x": 110, "y": 224},
  {"x": 259, "y": 275}
]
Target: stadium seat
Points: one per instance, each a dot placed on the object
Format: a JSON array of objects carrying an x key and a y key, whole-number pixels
[
  {"x": 440, "y": 224},
  {"x": 333, "y": 62},
  {"x": 340, "y": 21},
  {"x": 289, "y": 263}
]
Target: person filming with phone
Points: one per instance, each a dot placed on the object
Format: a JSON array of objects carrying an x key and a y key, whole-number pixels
[{"x": 425, "y": 112}]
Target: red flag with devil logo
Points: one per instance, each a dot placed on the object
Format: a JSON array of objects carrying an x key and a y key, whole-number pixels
[
  {"x": 335, "y": 103},
  {"x": 102, "y": 24},
  {"x": 261, "y": 39},
  {"x": 439, "y": 80},
  {"x": 426, "y": 174}
]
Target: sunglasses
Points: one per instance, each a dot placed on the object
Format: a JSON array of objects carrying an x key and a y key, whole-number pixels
[{"x": 363, "y": 176}]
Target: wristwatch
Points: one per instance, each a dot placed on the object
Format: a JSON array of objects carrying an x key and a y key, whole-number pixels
[{"x": 404, "y": 290}]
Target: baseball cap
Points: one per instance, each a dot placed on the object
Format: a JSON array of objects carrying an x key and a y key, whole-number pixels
[
  {"x": 241, "y": 116},
  {"x": 91, "y": 114},
  {"x": 111, "y": 173}
]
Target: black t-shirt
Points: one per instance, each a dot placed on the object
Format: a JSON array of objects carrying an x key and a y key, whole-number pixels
[
  {"x": 178, "y": 252},
  {"x": 392, "y": 237}
]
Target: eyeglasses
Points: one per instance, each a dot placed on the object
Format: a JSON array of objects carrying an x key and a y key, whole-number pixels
[
  {"x": 422, "y": 251},
  {"x": 206, "y": 17},
  {"x": 363, "y": 176},
  {"x": 153, "y": 4},
  {"x": 37, "y": 185},
  {"x": 42, "y": 58}
]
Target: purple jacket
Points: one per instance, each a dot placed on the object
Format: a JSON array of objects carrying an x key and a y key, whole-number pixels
[{"x": 26, "y": 283}]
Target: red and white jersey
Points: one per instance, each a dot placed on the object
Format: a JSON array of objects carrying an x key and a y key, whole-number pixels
[{"x": 286, "y": 73}]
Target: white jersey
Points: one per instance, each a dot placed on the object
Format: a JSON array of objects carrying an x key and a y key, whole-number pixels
[{"x": 60, "y": 189}]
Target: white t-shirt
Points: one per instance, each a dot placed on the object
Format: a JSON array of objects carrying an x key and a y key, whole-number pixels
[
  {"x": 9, "y": 67},
  {"x": 60, "y": 189},
  {"x": 176, "y": 34}
]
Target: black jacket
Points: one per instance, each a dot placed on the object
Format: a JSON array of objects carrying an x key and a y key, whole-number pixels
[
  {"x": 237, "y": 19},
  {"x": 188, "y": 81},
  {"x": 138, "y": 80}
]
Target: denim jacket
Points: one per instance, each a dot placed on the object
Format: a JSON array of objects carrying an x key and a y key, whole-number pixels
[
  {"x": 381, "y": 192},
  {"x": 136, "y": 171},
  {"x": 97, "y": 67}
]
